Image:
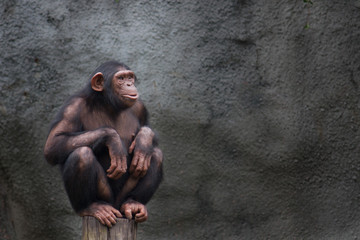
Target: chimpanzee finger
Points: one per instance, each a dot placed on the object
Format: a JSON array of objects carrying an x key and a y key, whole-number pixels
[
  {"x": 107, "y": 216},
  {"x": 112, "y": 220},
  {"x": 118, "y": 172},
  {"x": 132, "y": 146},
  {"x": 142, "y": 215},
  {"x": 117, "y": 169},
  {"x": 141, "y": 218},
  {"x": 107, "y": 222},
  {"x": 112, "y": 167},
  {"x": 145, "y": 166},
  {"x": 139, "y": 168},
  {"x": 143, "y": 171},
  {"x": 139, "y": 214},
  {"x": 110, "y": 217},
  {"x": 121, "y": 167},
  {"x": 112, "y": 174},
  {"x": 113, "y": 216},
  {"x": 134, "y": 162},
  {"x": 124, "y": 164},
  {"x": 141, "y": 162},
  {"x": 148, "y": 160},
  {"x": 128, "y": 214},
  {"x": 101, "y": 218},
  {"x": 116, "y": 212}
]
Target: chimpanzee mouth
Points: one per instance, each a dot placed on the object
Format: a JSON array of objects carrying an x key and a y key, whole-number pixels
[{"x": 131, "y": 96}]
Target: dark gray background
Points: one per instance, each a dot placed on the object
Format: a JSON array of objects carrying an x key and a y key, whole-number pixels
[{"x": 258, "y": 117}]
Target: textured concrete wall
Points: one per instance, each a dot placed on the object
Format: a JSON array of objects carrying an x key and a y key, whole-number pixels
[{"x": 258, "y": 117}]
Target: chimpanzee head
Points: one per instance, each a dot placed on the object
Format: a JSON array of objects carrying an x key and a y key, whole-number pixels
[{"x": 116, "y": 83}]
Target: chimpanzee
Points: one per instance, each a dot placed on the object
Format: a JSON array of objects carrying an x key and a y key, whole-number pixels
[{"x": 107, "y": 153}]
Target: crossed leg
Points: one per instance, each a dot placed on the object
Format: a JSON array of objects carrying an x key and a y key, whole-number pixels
[
  {"x": 87, "y": 187},
  {"x": 137, "y": 191},
  {"x": 91, "y": 195}
]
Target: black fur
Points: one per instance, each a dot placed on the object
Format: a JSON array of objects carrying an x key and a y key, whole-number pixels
[{"x": 81, "y": 175}]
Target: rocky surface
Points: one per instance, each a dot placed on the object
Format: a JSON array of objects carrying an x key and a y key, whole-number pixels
[{"x": 258, "y": 117}]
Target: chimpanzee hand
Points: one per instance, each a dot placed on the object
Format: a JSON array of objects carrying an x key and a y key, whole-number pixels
[
  {"x": 117, "y": 154},
  {"x": 143, "y": 150}
]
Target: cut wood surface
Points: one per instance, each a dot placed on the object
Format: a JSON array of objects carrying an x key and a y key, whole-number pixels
[{"x": 124, "y": 229}]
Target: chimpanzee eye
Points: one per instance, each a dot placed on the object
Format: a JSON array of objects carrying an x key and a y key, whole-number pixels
[{"x": 121, "y": 78}]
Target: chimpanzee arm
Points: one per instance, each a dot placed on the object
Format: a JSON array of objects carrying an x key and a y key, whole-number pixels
[
  {"x": 65, "y": 137},
  {"x": 143, "y": 145}
]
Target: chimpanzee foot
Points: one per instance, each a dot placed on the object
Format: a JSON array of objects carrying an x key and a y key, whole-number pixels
[
  {"x": 133, "y": 208},
  {"x": 105, "y": 213}
]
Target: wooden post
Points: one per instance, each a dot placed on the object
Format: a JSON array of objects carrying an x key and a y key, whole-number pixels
[{"x": 124, "y": 229}]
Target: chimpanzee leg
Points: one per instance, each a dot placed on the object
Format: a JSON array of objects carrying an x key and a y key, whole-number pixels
[
  {"x": 147, "y": 185},
  {"x": 84, "y": 179}
]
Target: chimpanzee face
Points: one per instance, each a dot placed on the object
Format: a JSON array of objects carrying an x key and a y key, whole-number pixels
[{"x": 123, "y": 85}]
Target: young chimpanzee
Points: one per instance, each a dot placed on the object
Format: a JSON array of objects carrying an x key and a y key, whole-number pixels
[{"x": 108, "y": 155}]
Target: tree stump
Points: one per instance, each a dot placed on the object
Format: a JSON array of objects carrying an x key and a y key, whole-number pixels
[{"x": 124, "y": 229}]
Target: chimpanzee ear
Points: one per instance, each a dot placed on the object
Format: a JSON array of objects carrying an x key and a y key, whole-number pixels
[{"x": 97, "y": 82}]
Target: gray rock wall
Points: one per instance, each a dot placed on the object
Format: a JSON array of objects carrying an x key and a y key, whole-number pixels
[{"x": 258, "y": 117}]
